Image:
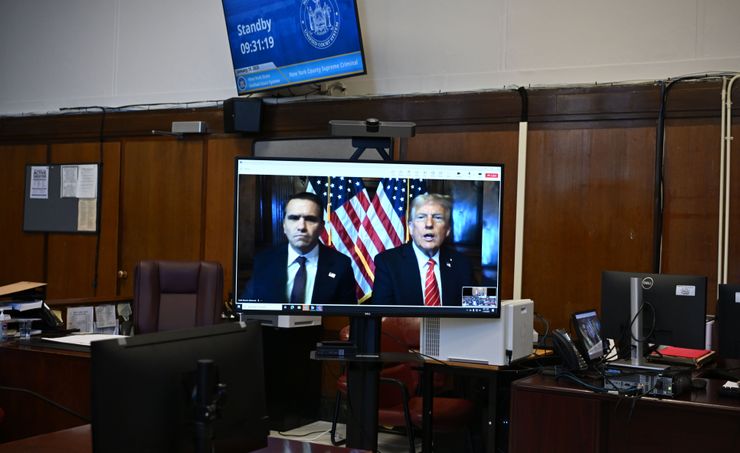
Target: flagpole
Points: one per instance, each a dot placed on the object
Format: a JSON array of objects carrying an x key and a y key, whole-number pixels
[
  {"x": 408, "y": 203},
  {"x": 520, "y": 197},
  {"x": 328, "y": 207}
]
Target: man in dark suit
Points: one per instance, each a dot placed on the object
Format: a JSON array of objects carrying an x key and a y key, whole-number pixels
[
  {"x": 423, "y": 272},
  {"x": 303, "y": 271}
]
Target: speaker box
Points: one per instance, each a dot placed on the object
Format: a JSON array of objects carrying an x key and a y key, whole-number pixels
[{"x": 242, "y": 115}]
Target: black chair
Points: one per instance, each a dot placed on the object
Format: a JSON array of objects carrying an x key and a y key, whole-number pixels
[{"x": 172, "y": 295}]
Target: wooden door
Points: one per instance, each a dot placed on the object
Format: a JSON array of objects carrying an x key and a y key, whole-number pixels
[{"x": 162, "y": 203}]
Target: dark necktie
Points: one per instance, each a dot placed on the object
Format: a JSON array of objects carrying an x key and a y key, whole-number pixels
[
  {"x": 431, "y": 290},
  {"x": 298, "y": 293}
]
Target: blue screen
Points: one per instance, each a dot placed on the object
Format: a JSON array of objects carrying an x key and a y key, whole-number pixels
[{"x": 287, "y": 42}]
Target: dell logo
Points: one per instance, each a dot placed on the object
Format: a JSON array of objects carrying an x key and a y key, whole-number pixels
[{"x": 647, "y": 283}]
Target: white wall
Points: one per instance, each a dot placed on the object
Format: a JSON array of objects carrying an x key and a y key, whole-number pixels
[{"x": 69, "y": 53}]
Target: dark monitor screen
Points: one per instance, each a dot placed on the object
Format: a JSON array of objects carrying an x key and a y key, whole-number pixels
[
  {"x": 366, "y": 212},
  {"x": 588, "y": 332},
  {"x": 674, "y": 312},
  {"x": 142, "y": 390},
  {"x": 728, "y": 321},
  {"x": 279, "y": 43}
]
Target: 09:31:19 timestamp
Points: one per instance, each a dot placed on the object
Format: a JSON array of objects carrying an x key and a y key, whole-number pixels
[{"x": 257, "y": 45}]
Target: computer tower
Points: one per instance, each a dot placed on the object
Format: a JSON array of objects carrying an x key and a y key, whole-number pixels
[{"x": 481, "y": 340}]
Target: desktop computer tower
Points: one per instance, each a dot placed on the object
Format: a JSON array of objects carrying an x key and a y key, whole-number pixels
[{"x": 481, "y": 340}]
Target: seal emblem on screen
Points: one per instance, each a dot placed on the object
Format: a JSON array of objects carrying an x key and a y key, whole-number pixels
[
  {"x": 241, "y": 82},
  {"x": 320, "y": 22}
]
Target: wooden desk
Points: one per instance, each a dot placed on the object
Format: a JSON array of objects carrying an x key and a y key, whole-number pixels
[
  {"x": 497, "y": 380},
  {"x": 364, "y": 383},
  {"x": 61, "y": 375},
  {"x": 79, "y": 440},
  {"x": 559, "y": 416}
]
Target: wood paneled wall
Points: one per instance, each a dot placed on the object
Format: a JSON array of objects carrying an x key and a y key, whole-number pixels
[{"x": 589, "y": 193}]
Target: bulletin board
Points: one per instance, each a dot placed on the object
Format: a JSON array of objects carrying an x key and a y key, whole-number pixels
[{"x": 61, "y": 198}]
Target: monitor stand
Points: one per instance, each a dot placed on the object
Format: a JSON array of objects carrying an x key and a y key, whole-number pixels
[
  {"x": 363, "y": 383},
  {"x": 637, "y": 345}
]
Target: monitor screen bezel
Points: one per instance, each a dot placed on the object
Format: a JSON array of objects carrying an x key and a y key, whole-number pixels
[
  {"x": 248, "y": 91},
  {"x": 369, "y": 310}
]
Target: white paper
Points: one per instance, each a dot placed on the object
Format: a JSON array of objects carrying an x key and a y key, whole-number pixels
[
  {"x": 83, "y": 339},
  {"x": 25, "y": 305},
  {"x": 124, "y": 309},
  {"x": 87, "y": 214},
  {"x": 87, "y": 181},
  {"x": 105, "y": 315},
  {"x": 39, "y": 182},
  {"x": 80, "y": 318},
  {"x": 68, "y": 182}
]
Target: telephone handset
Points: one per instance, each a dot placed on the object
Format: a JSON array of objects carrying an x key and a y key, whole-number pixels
[{"x": 567, "y": 350}]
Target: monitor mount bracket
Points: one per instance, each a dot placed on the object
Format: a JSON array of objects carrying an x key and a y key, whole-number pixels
[{"x": 375, "y": 134}]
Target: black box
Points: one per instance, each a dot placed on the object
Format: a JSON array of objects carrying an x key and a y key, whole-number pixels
[{"x": 242, "y": 115}]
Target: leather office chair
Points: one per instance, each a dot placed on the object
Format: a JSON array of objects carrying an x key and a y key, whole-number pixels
[
  {"x": 399, "y": 402},
  {"x": 177, "y": 295}
]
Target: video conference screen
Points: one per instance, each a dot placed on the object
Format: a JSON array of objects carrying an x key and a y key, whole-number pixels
[
  {"x": 390, "y": 238},
  {"x": 288, "y": 42}
]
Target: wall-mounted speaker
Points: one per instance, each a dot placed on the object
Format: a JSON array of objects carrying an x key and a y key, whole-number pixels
[{"x": 242, "y": 115}]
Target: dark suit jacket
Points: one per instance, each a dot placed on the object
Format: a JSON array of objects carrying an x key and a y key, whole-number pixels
[
  {"x": 335, "y": 282},
  {"x": 397, "y": 279}
]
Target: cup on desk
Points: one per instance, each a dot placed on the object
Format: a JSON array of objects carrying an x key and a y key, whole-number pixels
[{"x": 24, "y": 329}]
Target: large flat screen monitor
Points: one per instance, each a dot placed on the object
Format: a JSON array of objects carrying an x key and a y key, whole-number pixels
[
  {"x": 673, "y": 314},
  {"x": 143, "y": 397},
  {"x": 280, "y": 43},
  {"x": 366, "y": 227}
]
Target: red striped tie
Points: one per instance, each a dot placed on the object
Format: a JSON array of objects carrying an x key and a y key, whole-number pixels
[{"x": 431, "y": 291}]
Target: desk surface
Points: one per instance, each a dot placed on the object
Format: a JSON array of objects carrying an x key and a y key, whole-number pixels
[
  {"x": 707, "y": 399},
  {"x": 78, "y": 440},
  {"x": 568, "y": 417}
]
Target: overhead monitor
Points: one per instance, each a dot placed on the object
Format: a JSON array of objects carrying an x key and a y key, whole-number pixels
[
  {"x": 280, "y": 43},
  {"x": 366, "y": 212}
]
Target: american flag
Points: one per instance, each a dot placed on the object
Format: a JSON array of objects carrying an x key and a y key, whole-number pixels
[
  {"x": 390, "y": 208},
  {"x": 360, "y": 228},
  {"x": 346, "y": 201}
]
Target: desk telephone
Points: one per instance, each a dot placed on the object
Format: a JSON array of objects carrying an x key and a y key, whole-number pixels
[{"x": 567, "y": 350}]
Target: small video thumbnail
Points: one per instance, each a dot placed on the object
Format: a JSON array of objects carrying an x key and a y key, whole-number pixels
[{"x": 479, "y": 296}]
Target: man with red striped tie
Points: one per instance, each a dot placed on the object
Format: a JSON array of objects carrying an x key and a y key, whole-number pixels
[{"x": 423, "y": 272}]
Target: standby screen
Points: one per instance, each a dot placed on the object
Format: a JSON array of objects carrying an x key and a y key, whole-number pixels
[{"x": 285, "y": 42}]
